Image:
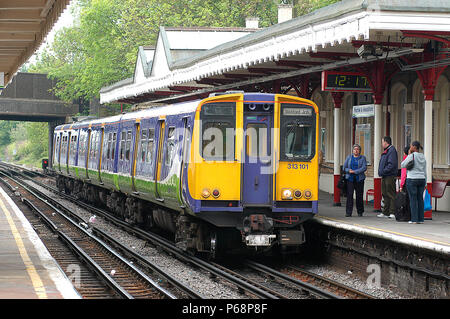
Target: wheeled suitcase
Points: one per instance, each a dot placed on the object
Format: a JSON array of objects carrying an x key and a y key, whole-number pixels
[{"x": 402, "y": 209}]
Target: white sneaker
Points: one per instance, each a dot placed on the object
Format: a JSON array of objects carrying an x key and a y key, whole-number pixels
[
  {"x": 410, "y": 222},
  {"x": 381, "y": 215},
  {"x": 391, "y": 216}
]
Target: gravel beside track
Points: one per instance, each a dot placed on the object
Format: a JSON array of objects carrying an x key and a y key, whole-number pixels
[{"x": 190, "y": 276}]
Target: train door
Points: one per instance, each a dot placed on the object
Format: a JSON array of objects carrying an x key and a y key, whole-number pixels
[
  {"x": 185, "y": 138},
  {"x": 67, "y": 151},
  {"x": 162, "y": 126},
  {"x": 257, "y": 168},
  {"x": 88, "y": 142},
  {"x": 100, "y": 154},
  {"x": 125, "y": 158},
  {"x": 137, "y": 134},
  {"x": 57, "y": 152}
]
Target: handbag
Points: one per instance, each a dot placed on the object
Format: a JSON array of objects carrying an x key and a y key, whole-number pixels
[
  {"x": 410, "y": 165},
  {"x": 426, "y": 201}
]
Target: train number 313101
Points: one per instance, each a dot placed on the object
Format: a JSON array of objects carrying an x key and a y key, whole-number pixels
[{"x": 297, "y": 166}]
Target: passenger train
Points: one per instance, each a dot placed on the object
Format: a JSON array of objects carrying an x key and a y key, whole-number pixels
[{"x": 227, "y": 173}]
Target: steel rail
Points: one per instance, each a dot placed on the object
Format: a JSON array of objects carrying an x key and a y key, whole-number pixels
[
  {"x": 330, "y": 282},
  {"x": 303, "y": 285},
  {"x": 162, "y": 242},
  {"x": 110, "y": 281}
]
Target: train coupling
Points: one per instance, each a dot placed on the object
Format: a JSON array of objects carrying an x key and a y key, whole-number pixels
[
  {"x": 260, "y": 240},
  {"x": 258, "y": 230}
]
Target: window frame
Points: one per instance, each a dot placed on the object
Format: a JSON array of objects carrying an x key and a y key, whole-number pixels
[
  {"x": 304, "y": 120},
  {"x": 209, "y": 118}
]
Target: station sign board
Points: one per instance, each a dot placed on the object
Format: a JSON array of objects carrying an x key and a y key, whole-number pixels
[
  {"x": 336, "y": 81},
  {"x": 367, "y": 110}
]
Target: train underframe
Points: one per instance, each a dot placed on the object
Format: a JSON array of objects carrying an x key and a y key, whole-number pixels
[{"x": 254, "y": 231}]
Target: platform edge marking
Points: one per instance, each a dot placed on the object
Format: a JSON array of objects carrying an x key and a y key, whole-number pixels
[{"x": 34, "y": 276}]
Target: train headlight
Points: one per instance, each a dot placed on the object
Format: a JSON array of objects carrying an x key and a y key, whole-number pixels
[
  {"x": 308, "y": 194},
  {"x": 297, "y": 193},
  {"x": 216, "y": 193},
  {"x": 206, "y": 193},
  {"x": 286, "y": 193}
]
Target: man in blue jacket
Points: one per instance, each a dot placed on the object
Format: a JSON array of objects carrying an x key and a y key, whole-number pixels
[{"x": 387, "y": 170}]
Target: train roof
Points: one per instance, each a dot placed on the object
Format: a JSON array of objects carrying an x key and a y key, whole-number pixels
[{"x": 172, "y": 109}]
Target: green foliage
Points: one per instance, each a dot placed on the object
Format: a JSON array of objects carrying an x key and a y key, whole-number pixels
[
  {"x": 5, "y": 132},
  {"x": 101, "y": 47},
  {"x": 27, "y": 142},
  {"x": 302, "y": 7}
]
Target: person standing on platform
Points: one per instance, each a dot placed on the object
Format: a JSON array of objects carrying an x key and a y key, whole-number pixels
[
  {"x": 354, "y": 166},
  {"x": 387, "y": 170},
  {"x": 416, "y": 181},
  {"x": 403, "y": 174}
]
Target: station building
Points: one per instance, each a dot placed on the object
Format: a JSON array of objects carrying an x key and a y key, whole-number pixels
[{"x": 373, "y": 67}]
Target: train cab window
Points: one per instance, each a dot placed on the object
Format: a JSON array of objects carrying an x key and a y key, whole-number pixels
[
  {"x": 297, "y": 133},
  {"x": 171, "y": 146},
  {"x": 218, "y": 140},
  {"x": 298, "y": 141},
  {"x": 218, "y": 124},
  {"x": 150, "y": 146}
]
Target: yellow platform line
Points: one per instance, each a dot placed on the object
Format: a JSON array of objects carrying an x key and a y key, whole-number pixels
[
  {"x": 35, "y": 278},
  {"x": 387, "y": 231}
]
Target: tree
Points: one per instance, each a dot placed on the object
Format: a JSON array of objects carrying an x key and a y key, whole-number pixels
[
  {"x": 302, "y": 7},
  {"x": 101, "y": 47}
]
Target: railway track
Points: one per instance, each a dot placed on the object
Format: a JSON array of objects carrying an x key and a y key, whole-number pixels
[
  {"x": 310, "y": 283},
  {"x": 304, "y": 282},
  {"x": 328, "y": 284},
  {"x": 116, "y": 273},
  {"x": 156, "y": 240}
]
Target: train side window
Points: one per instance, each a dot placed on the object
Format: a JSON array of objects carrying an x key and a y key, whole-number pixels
[
  {"x": 143, "y": 147},
  {"x": 97, "y": 143},
  {"x": 92, "y": 148},
  {"x": 81, "y": 151},
  {"x": 114, "y": 140},
  {"x": 151, "y": 137},
  {"x": 108, "y": 151},
  {"x": 171, "y": 145},
  {"x": 128, "y": 146},
  {"x": 123, "y": 138}
]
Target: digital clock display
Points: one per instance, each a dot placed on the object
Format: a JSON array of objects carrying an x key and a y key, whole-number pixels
[{"x": 345, "y": 81}]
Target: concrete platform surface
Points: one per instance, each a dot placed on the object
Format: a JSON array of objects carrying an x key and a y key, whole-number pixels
[
  {"x": 432, "y": 234},
  {"x": 27, "y": 270}
]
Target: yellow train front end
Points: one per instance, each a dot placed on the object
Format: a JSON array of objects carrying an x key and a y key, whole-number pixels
[{"x": 253, "y": 168}]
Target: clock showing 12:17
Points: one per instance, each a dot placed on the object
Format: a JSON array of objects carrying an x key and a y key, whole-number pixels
[{"x": 345, "y": 81}]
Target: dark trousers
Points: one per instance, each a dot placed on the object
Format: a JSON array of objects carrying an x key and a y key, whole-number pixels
[
  {"x": 415, "y": 189},
  {"x": 388, "y": 191},
  {"x": 357, "y": 187}
]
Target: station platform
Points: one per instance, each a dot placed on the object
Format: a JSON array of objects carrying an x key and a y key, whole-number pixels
[
  {"x": 27, "y": 270},
  {"x": 432, "y": 234}
]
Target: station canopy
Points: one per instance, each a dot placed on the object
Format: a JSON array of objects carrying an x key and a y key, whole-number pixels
[
  {"x": 345, "y": 36},
  {"x": 24, "y": 24}
]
